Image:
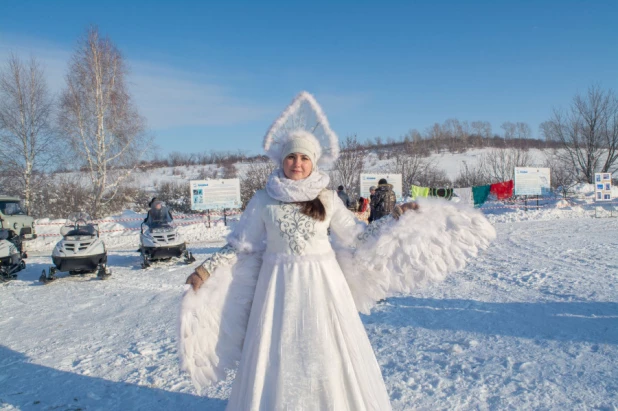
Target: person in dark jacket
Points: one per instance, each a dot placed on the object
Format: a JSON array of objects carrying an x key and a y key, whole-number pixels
[
  {"x": 149, "y": 207},
  {"x": 372, "y": 193},
  {"x": 383, "y": 201},
  {"x": 343, "y": 196},
  {"x": 155, "y": 206}
]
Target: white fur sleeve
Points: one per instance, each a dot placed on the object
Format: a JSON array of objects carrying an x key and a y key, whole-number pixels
[
  {"x": 213, "y": 320},
  {"x": 396, "y": 256}
]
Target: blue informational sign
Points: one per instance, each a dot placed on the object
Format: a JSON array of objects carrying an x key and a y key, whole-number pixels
[
  {"x": 602, "y": 186},
  {"x": 532, "y": 181},
  {"x": 368, "y": 180},
  {"x": 215, "y": 194}
]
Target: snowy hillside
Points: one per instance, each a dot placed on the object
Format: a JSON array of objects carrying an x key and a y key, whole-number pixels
[
  {"x": 531, "y": 324},
  {"x": 449, "y": 162}
]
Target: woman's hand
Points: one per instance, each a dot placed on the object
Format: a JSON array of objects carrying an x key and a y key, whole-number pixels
[
  {"x": 198, "y": 277},
  {"x": 195, "y": 281},
  {"x": 400, "y": 209},
  {"x": 409, "y": 206}
]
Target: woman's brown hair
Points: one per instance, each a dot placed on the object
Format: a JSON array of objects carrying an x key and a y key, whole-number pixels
[{"x": 313, "y": 208}]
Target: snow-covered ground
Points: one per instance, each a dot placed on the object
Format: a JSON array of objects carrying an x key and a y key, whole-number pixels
[{"x": 530, "y": 324}]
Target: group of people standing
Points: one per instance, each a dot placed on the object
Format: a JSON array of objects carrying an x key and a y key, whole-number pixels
[{"x": 381, "y": 201}]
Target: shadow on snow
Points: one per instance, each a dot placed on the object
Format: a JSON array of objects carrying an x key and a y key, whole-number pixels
[
  {"x": 595, "y": 322},
  {"x": 28, "y": 386}
]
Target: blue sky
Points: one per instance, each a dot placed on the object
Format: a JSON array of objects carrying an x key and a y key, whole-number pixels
[{"x": 214, "y": 76}]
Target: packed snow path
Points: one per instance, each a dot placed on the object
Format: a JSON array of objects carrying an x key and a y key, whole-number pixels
[{"x": 531, "y": 324}]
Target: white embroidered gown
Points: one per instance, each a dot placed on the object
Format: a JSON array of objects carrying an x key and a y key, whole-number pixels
[{"x": 305, "y": 347}]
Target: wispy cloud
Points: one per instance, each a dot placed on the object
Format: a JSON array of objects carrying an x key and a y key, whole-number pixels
[
  {"x": 341, "y": 103},
  {"x": 53, "y": 58},
  {"x": 173, "y": 98},
  {"x": 167, "y": 96}
]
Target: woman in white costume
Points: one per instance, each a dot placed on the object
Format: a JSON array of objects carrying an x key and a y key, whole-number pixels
[{"x": 280, "y": 301}]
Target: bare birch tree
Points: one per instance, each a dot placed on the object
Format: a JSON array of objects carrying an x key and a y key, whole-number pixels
[
  {"x": 481, "y": 130},
  {"x": 412, "y": 136},
  {"x": 254, "y": 178},
  {"x": 509, "y": 130},
  {"x": 477, "y": 127},
  {"x": 563, "y": 175},
  {"x": 499, "y": 164},
  {"x": 99, "y": 119},
  {"x": 470, "y": 175},
  {"x": 588, "y": 132},
  {"x": 348, "y": 167},
  {"x": 26, "y": 134},
  {"x": 412, "y": 166},
  {"x": 522, "y": 130},
  {"x": 545, "y": 131}
]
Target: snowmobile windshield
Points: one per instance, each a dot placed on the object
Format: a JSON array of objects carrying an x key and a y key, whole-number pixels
[
  {"x": 159, "y": 216},
  {"x": 79, "y": 225},
  {"x": 11, "y": 208}
]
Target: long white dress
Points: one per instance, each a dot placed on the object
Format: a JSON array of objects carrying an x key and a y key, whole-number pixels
[{"x": 279, "y": 302}]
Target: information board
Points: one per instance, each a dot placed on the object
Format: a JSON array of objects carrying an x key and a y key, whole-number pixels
[
  {"x": 215, "y": 194},
  {"x": 602, "y": 186},
  {"x": 368, "y": 180},
  {"x": 531, "y": 181}
]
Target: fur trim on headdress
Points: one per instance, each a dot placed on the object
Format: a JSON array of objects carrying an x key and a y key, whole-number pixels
[{"x": 302, "y": 118}]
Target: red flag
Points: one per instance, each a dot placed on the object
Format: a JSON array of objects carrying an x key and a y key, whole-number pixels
[{"x": 502, "y": 190}]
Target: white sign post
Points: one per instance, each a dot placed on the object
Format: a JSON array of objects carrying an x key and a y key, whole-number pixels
[
  {"x": 215, "y": 194},
  {"x": 368, "y": 180},
  {"x": 602, "y": 186},
  {"x": 531, "y": 181}
]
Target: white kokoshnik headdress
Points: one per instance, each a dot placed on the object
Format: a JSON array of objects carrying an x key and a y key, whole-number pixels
[
  {"x": 301, "y": 128},
  {"x": 302, "y": 120}
]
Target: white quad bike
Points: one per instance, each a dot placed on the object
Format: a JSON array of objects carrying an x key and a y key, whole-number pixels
[
  {"x": 14, "y": 218},
  {"x": 80, "y": 251},
  {"x": 159, "y": 240}
]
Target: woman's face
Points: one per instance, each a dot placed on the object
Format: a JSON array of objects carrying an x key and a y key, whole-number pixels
[{"x": 297, "y": 166}]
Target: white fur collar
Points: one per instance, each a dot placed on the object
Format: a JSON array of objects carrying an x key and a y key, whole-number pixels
[{"x": 283, "y": 189}]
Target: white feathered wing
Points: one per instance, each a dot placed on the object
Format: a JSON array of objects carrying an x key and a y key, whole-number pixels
[
  {"x": 213, "y": 320},
  {"x": 423, "y": 246}
]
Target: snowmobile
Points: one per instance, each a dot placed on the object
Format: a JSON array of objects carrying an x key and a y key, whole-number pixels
[
  {"x": 10, "y": 258},
  {"x": 80, "y": 251},
  {"x": 159, "y": 240}
]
